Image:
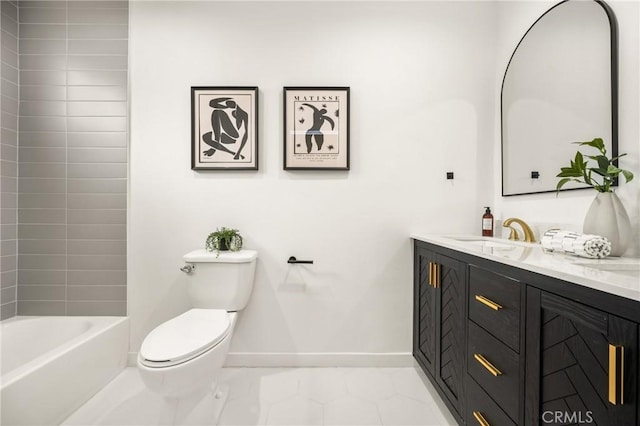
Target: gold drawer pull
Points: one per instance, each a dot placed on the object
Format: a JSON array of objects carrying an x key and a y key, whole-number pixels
[
  {"x": 486, "y": 364},
  {"x": 490, "y": 303},
  {"x": 480, "y": 418},
  {"x": 616, "y": 374}
]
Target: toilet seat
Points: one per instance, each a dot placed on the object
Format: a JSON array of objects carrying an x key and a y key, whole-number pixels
[{"x": 184, "y": 337}]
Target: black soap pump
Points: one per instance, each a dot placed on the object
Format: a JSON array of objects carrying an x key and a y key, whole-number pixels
[{"x": 487, "y": 223}]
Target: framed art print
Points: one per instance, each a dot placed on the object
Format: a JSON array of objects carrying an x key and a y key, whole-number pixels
[
  {"x": 224, "y": 128},
  {"x": 316, "y": 128}
]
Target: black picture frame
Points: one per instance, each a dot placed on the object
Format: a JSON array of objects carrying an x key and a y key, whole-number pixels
[
  {"x": 224, "y": 128},
  {"x": 316, "y": 128}
]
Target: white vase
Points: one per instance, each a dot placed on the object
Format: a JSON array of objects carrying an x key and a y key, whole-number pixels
[{"x": 608, "y": 218}]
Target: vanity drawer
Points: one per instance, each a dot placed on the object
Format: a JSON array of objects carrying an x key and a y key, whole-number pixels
[
  {"x": 495, "y": 367},
  {"x": 494, "y": 304},
  {"x": 482, "y": 410}
]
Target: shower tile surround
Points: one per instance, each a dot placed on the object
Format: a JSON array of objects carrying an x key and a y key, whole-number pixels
[
  {"x": 9, "y": 155},
  {"x": 70, "y": 159}
]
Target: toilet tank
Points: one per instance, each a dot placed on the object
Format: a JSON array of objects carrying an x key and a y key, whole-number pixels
[{"x": 221, "y": 281}]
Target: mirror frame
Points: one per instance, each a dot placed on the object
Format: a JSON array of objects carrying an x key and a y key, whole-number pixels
[{"x": 613, "y": 27}]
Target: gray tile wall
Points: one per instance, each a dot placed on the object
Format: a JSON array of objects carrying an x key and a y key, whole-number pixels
[
  {"x": 9, "y": 78},
  {"x": 73, "y": 158}
]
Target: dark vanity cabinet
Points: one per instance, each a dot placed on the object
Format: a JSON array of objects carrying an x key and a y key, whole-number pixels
[
  {"x": 439, "y": 328},
  {"x": 506, "y": 346},
  {"x": 581, "y": 361},
  {"x": 495, "y": 357}
]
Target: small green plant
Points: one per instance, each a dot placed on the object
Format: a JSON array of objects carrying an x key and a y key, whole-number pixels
[
  {"x": 600, "y": 177},
  {"x": 224, "y": 239}
]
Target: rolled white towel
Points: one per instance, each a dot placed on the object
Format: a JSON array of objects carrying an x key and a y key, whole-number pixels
[
  {"x": 584, "y": 245},
  {"x": 547, "y": 239},
  {"x": 569, "y": 242},
  {"x": 554, "y": 240},
  {"x": 546, "y": 242},
  {"x": 595, "y": 247}
]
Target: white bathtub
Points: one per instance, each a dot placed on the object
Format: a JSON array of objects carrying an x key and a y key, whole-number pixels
[{"x": 52, "y": 365}]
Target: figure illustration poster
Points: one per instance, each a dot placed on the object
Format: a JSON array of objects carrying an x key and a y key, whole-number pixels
[
  {"x": 224, "y": 128},
  {"x": 316, "y": 128}
]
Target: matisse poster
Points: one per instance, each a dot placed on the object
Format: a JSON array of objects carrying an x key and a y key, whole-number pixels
[{"x": 316, "y": 128}]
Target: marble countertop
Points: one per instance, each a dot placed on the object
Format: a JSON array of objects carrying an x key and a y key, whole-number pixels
[{"x": 615, "y": 275}]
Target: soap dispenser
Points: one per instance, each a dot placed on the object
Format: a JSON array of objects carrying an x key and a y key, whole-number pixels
[{"x": 487, "y": 223}]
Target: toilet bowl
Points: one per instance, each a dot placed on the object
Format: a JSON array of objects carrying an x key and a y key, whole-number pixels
[{"x": 182, "y": 355}]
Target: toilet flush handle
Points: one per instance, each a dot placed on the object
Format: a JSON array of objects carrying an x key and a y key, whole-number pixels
[{"x": 187, "y": 269}]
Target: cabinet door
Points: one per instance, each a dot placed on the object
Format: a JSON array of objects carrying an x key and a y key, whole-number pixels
[
  {"x": 424, "y": 311},
  {"x": 450, "y": 335},
  {"x": 570, "y": 377}
]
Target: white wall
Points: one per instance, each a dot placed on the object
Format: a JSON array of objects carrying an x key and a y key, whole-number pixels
[
  {"x": 420, "y": 107},
  {"x": 570, "y": 207}
]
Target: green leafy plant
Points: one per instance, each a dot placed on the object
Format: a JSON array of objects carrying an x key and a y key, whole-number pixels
[
  {"x": 601, "y": 177},
  {"x": 224, "y": 239}
]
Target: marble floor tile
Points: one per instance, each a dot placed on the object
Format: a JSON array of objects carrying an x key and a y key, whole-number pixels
[{"x": 276, "y": 396}]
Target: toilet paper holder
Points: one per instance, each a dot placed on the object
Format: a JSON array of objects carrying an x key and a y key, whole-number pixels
[{"x": 293, "y": 259}]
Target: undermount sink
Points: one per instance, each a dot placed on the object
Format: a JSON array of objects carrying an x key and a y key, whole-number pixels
[
  {"x": 492, "y": 244},
  {"x": 488, "y": 242},
  {"x": 467, "y": 238}
]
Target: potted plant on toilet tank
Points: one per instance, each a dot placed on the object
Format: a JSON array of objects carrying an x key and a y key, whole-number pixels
[
  {"x": 223, "y": 239},
  {"x": 607, "y": 216}
]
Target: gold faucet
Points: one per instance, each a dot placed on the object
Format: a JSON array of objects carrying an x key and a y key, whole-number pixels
[{"x": 513, "y": 235}]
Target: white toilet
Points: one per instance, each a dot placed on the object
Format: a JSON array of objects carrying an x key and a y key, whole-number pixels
[{"x": 183, "y": 355}]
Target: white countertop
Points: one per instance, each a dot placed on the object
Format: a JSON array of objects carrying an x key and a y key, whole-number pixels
[{"x": 615, "y": 275}]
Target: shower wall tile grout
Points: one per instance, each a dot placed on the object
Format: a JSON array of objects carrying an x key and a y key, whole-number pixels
[
  {"x": 70, "y": 185},
  {"x": 66, "y": 144},
  {"x": 9, "y": 110}
]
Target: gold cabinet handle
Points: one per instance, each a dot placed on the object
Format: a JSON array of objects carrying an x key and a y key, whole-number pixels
[
  {"x": 434, "y": 274},
  {"x": 431, "y": 274},
  {"x": 490, "y": 303},
  {"x": 480, "y": 418},
  {"x": 616, "y": 374},
  {"x": 486, "y": 364}
]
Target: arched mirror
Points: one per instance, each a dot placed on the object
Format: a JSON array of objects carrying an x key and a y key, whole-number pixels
[{"x": 560, "y": 87}]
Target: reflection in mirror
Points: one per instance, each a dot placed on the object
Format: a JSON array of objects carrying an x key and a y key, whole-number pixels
[{"x": 560, "y": 87}]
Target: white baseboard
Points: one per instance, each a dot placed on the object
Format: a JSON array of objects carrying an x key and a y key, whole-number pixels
[
  {"x": 339, "y": 359},
  {"x": 336, "y": 359}
]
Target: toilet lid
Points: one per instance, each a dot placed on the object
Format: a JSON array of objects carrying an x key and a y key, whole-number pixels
[{"x": 184, "y": 337}]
